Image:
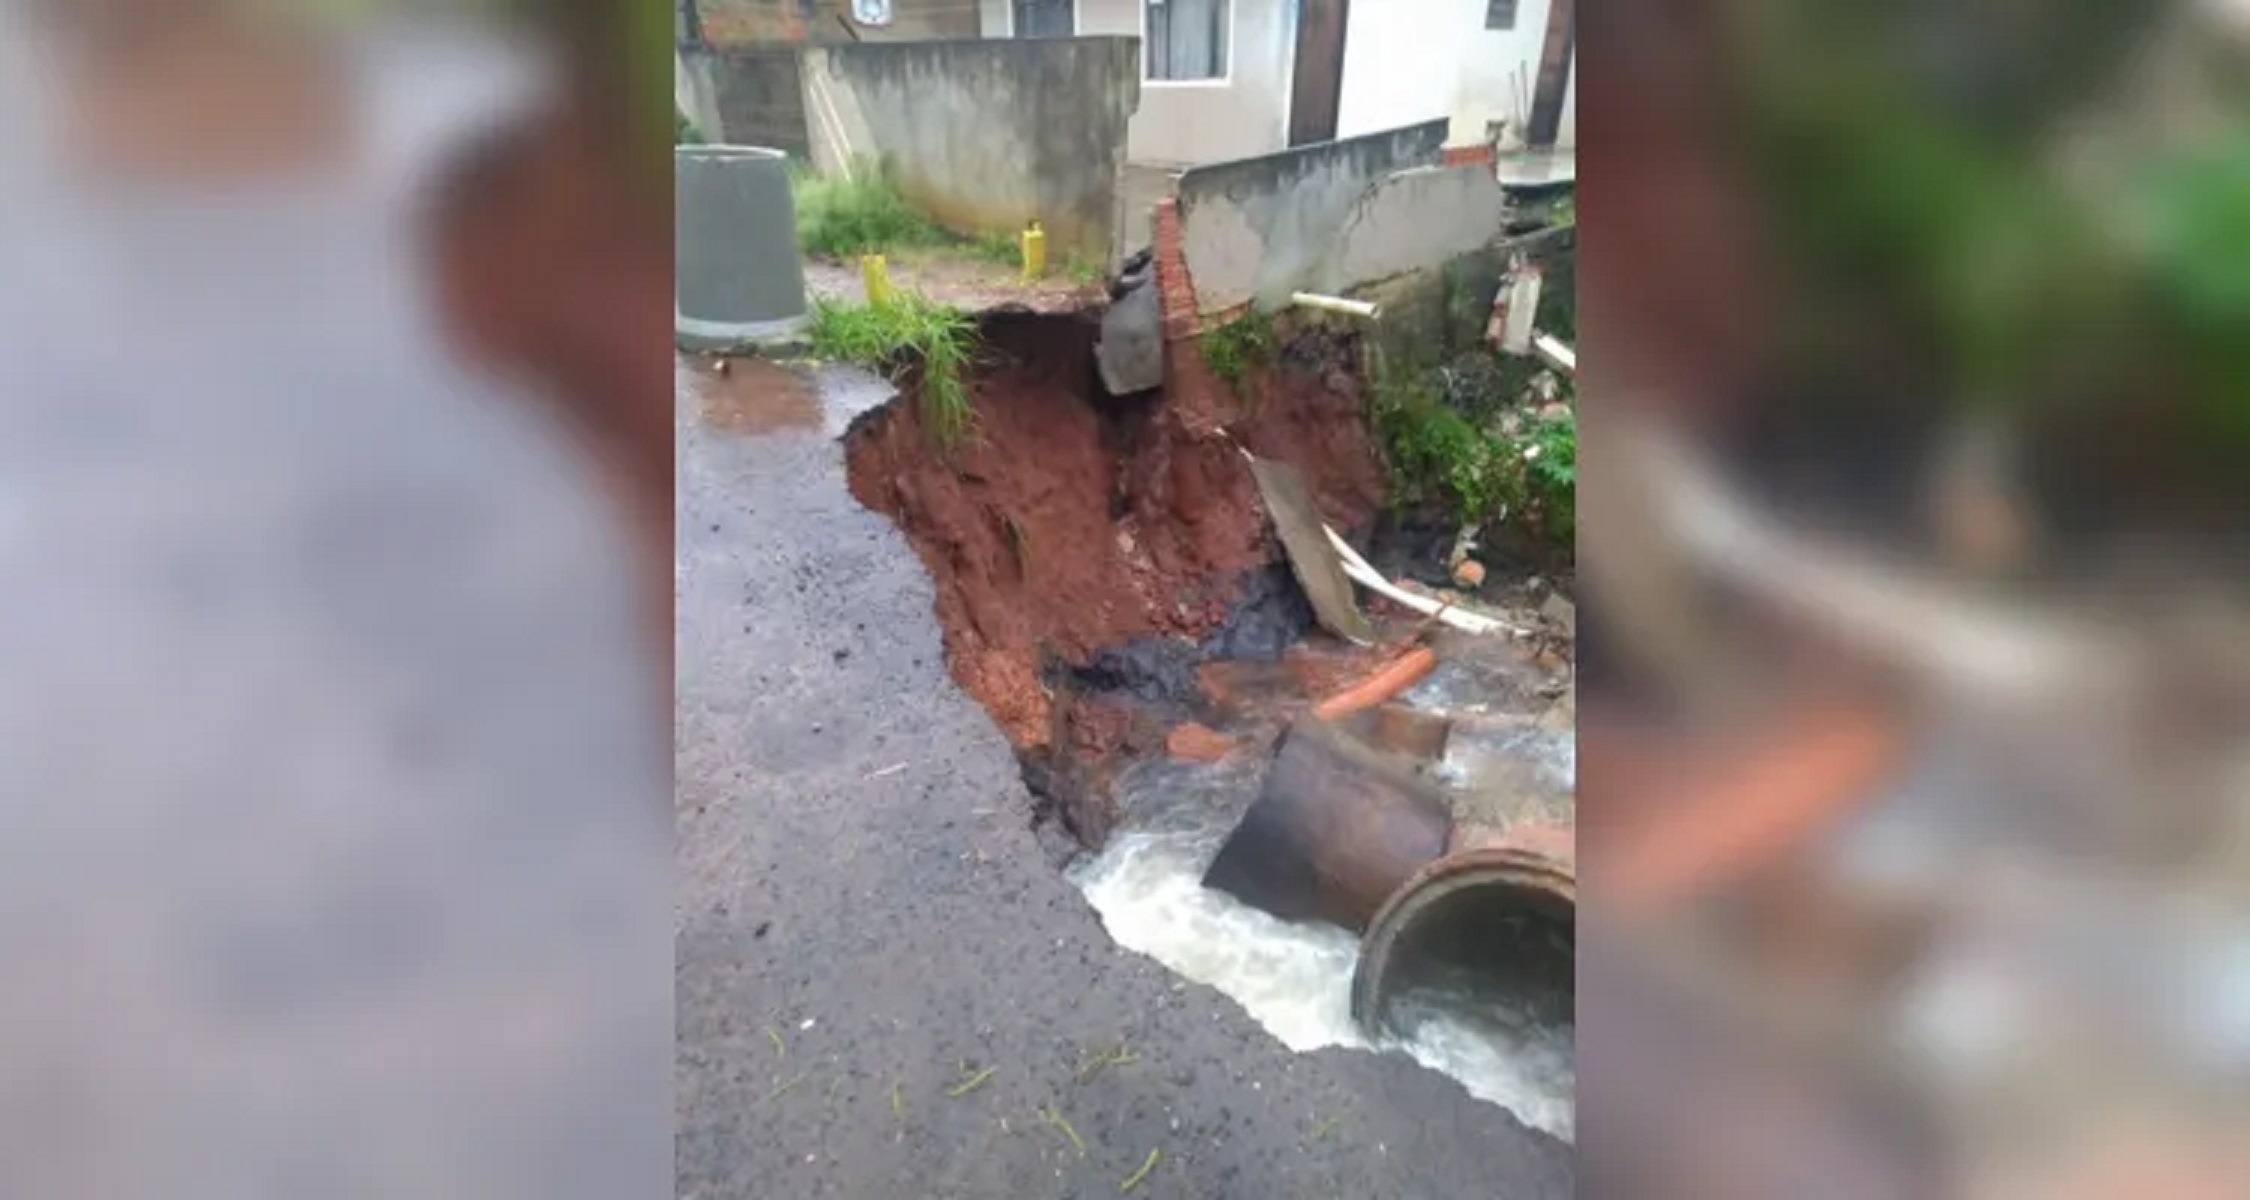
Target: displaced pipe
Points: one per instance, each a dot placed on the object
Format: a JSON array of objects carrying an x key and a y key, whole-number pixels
[
  {"x": 1336, "y": 829},
  {"x": 1387, "y": 681},
  {"x": 1507, "y": 910},
  {"x": 1368, "y": 577},
  {"x": 1337, "y": 304}
]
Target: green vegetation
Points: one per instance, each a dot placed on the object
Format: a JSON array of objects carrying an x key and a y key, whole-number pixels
[
  {"x": 840, "y": 217},
  {"x": 1236, "y": 348},
  {"x": 909, "y": 333},
  {"x": 1455, "y": 449},
  {"x": 1084, "y": 271},
  {"x": 1937, "y": 229},
  {"x": 999, "y": 249}
]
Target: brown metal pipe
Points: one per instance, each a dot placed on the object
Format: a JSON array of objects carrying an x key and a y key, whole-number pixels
[{"x": 1335, "y": 831}]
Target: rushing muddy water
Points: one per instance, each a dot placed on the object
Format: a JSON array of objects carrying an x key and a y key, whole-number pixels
[{"x": 1295, "y": 979}]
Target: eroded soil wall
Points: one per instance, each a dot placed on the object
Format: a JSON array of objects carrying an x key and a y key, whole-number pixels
[{"x": 1071, "y": 524}]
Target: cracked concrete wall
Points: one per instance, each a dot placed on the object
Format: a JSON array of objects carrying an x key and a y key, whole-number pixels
[
  {"x": 1332, "y": 217},
  {"x": 1416, "y": 220},
  {"x": 986, "y": 135}
]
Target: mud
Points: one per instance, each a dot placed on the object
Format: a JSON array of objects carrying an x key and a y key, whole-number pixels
[
  {"x": 752, "y": 395},
  {"x": 1090, "y": 555}
]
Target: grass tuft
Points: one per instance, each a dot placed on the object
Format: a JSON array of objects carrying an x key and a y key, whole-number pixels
[
  {"x": 1523, "y": 469},
  {"x": 1238, "y": 347},
  {"x": 865, "y": 214},
  {"x": 910, "y": 332}
]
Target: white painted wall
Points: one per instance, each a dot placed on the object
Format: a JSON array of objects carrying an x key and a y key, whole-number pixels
[
  {"x": 1199, "y": 122},
  {"x": 1411, "y": 60},
  {"x": 993, "y": 18},
  {"x": 1566, "y": 134}
]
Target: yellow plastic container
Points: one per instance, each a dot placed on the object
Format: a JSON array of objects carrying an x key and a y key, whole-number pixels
[
  {"x": 875, "y": 273},
  {"x": 1034, "y": 252}
]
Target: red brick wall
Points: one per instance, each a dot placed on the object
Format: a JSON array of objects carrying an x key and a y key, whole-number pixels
[
  {"x": 1481, "y": 155},
  {"x": 1192, "y": 392},
  {"x": 1175, "y": 290}
]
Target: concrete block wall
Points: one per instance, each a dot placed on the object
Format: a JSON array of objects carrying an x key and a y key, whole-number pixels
[
  {"x": 1255, "y": 230},
  {"x": 986, "y": 135}
]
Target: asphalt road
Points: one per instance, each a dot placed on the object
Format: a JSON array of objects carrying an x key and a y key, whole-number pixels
[{"x": 866, "y": 921}]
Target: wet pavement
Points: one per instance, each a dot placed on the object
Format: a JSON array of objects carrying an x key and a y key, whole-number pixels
[{"x": 866, "y": 921}]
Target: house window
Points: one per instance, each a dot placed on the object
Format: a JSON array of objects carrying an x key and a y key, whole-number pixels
[
  {"x": 1187, "y": 39},
  {"x": 1500, "y": 14},
  {"x": 1043, "y": 18}
]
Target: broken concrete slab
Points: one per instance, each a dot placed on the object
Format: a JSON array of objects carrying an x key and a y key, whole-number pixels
[
  {"x": 1297, "y": 520},
  {"x": 1130, "y": 353}
]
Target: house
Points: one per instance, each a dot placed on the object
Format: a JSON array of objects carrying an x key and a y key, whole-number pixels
[
  {"x": 758, "y": 99},
  {"x": 1224, "y": 79},
  {"x": 747, "y": 23}
]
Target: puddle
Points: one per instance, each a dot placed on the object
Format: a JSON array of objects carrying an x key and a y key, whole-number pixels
[
  {"x": 753, "y": 396},
  {"x": 1295, "y": 979}
]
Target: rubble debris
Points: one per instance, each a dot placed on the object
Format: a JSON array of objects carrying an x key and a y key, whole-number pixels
[
  {"x": 1368, "y": 577},
  {"x": 1396, "y": 729},
  {"x": 1559, "y": 611},
  {"x": 1337, "y": 828},
  {"x": 1198, "y": 743},
  {"x": 1297, "y": 521}
]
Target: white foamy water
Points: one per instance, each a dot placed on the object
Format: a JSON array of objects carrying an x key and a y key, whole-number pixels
[{"x": 1295, "y": 979}]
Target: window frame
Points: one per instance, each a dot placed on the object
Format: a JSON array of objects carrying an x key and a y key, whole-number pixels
[{"x": 1225, "y": 78}]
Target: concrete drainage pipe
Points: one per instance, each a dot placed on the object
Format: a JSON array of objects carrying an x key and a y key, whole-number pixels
[
  {"x": 740, "y": 279},
  {"x": 1505, "y": 914}
]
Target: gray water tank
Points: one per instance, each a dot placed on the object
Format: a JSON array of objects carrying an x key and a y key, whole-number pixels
[{"x": 738, "y": 276}]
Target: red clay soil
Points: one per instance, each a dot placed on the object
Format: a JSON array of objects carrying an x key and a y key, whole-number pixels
[{"x": 1062, "y": 526}]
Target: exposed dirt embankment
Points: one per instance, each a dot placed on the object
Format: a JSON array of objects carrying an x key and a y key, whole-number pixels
[{"x": 1087, "y": 553}]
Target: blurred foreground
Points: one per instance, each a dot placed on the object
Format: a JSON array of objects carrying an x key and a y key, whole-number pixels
[
  {"x": 1916, "y": 800},
  {"x": 333, "y": 466}
]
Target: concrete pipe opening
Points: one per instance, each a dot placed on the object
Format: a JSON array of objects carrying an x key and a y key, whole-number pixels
[
  {"x": 739, "y": 277},
  {"x": 1490, "y": 929}
]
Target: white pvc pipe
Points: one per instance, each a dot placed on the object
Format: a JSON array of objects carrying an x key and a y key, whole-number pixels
[
  {"x": 1555, "y": 353},
  {"x": 1361, "y": 572},
  {"x": 1371, "y": 579},
  {"x": 1357, "y": 308}
]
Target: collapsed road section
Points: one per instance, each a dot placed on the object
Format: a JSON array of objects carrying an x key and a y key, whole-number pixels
[{"x": 1243, "y": 795}]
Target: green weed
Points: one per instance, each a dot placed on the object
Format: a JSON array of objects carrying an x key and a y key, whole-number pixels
[
  {"x": 1085, "y": 271},
  {"x": 911, "y": 332},
  {"x": 1236, "y": 348},
  {"x": 840, "y": 217},
  {"x": 1551, "y": 473},
  {"x": 1478, "y": 475},
  {"x": 999, "y": 249}
]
